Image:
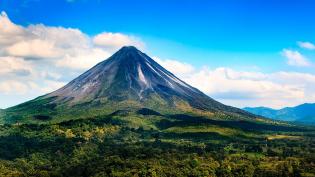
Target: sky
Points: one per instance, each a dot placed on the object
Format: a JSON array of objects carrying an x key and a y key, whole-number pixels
[{"x": 240, "y": 52}]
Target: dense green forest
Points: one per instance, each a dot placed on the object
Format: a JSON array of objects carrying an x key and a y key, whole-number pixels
[
  {"x": 123, "y": 126},
  {"x": 149, "y": 144}
]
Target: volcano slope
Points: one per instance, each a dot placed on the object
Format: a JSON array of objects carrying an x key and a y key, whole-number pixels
[{"x": 128, "y": 116}]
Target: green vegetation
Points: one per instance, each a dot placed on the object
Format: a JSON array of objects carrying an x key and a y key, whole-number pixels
[
  {"x": 147, "y": 143},
  {"x": 106, "y": 123}
]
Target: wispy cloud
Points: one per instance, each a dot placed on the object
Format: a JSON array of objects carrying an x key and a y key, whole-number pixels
[
  {"x": 306, "y": 45},
  {"x": 295, "y": 58}
]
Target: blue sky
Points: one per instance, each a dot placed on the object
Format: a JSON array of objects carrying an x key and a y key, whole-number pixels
[
  {"x": 256, "y": 36},
  {"x": 242, "y": 26}
]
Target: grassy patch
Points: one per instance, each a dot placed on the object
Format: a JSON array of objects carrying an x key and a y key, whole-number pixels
[{"x": 289, "y": 137}]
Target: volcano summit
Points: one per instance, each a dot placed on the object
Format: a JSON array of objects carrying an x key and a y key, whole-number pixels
[{"x": 128, "y": 80}]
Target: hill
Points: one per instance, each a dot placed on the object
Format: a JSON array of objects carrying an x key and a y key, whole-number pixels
[{"x": 304, "y": 113}]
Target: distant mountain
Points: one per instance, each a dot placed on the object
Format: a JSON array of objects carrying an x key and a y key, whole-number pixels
[
  {"x": 304, "y": 113},
  {"x": 263, "y": 111},
  {"x": 129, "y": 81}
]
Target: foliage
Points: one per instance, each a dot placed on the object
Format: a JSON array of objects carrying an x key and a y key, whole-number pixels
[{"x": 154, "y": 145}]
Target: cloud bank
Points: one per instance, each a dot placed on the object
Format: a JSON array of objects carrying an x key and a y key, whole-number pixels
[
  {"x": 38, "y": 59},
  {"x": 242, "y": 88},
  {"x": 31, "y": 57}
]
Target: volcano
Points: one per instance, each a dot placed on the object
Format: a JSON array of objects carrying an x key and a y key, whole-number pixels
[{"x": 128, "y": 80}]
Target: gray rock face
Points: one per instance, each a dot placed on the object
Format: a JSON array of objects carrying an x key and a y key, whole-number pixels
[{"x": 128, "y": 69}]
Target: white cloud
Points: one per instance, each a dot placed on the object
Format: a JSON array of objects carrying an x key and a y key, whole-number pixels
[
  {"x": 116, "y": 40},
  {"x": 17, "y": 87},
  {"x": 306, "y": 45},
  {"x": 37, "y": 59},
  {"x": 12, "y": 86},
  {"x": 79, "y": 61},
  {"x": 9, "y": 32},
  {"x": 50, "y": 75},
  {"x": 175, "y": 66},
  {"x": 33, "y": 49},
  {"x": 50, "y": 86},
  {"x": 295, "y": 58},
  {"x": 221, "y": 81},
  {"x": 14, "y": 65},
  {"x": 242, "y": 88},
  {"x": 64, "y": 47}
]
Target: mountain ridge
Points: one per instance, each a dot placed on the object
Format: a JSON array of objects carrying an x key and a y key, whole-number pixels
[{"x": 304, "y": 113}]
